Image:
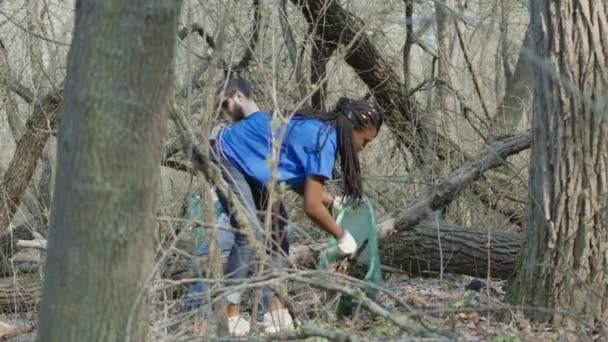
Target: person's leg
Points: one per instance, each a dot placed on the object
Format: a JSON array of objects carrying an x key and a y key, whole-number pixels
[
  {"x": 197, "y": 290},
  {"x": 241, "y": 255},
  {"x": 277, "y": 318}
]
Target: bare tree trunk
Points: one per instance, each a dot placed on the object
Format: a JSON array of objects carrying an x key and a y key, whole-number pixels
[
  {"x": 563, "y": 264},
  {"x": 444, "y": 23},
  {"x": 518, "y": 92},
  {"x": 27, "y": 153},
  {"x": 101, "y": 243},
  {"x": 320, "y": 55}
]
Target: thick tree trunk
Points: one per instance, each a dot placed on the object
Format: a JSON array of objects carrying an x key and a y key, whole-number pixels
[
  {"x": 101, "y": 241},
  {"x": 564, "y": 261}
]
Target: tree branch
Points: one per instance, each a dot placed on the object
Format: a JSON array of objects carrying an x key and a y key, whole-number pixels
[
  {"x": 476, "y": 82},
  {"x": 407, "y": 45},
  {"x": 491, "y": 157}
]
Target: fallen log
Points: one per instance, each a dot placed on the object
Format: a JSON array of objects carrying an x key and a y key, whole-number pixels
[
  {"x": 429, "y": 248},
  {"x": 20, "y": 294},
  {"x": 432, "y": 248}
]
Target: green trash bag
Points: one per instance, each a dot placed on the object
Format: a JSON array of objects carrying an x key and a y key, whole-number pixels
[{"x": 360, "y": 221}]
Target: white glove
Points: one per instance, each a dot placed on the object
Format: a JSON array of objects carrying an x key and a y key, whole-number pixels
[{"x": 347, "y": 244}]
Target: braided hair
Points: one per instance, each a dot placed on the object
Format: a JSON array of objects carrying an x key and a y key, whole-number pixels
[{"x": 349, "y": 115}]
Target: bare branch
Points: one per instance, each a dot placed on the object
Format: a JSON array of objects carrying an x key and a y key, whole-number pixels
[
  {"x": 196, "y": 28},
  {"x": 38, "y": 244},
  {"x": 407, "y": 45},
  {"x": 476, "y": 82},
  {"x": 492, "y": 156}
]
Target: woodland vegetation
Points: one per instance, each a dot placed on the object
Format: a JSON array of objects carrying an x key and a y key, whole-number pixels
[{"x": 492, "y": 166}]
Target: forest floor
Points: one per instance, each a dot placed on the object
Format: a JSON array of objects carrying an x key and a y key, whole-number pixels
[
  {"x": 448, "y": 305},
  {"x": 443, "y": 305}
]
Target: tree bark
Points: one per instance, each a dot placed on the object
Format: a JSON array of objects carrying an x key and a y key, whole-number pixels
[
  {"x": 20, "y": 294},
  {"x": 319, "y": 57},
  {"x": 518, "y": 92},
  {"x": 416, "y": 250},
  {"x": 25, "y": 159},
  {"x": 101, "y": 243},
  {"x": 473, "y": 252},
  {"x": 444, "y": 22},
  {"x": 563, "y": 265}
]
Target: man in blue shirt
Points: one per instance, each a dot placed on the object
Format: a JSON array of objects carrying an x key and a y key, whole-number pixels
[{"x": 237, "y": 103}]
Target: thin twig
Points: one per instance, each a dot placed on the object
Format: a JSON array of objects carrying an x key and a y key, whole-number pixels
[{"x": 472, "y": 71}]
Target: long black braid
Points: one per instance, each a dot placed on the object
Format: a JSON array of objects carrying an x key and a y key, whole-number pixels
[{"x": 347, "y": 116}]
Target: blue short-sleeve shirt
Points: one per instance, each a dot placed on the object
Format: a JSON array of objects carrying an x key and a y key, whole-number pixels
[{"x": 308, "y": 149}]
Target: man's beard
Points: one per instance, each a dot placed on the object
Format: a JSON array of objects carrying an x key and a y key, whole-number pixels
[{"x": 238, "y": 114}]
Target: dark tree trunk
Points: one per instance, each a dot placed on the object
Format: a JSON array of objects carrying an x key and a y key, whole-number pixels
[
  {"x": 563, "y": 265},
  {"x": 320, "y": 55},
  {"x": 25, "y": 159},
  {"x": 101, "y": 241},
  {"x": 518, "y": 93}
]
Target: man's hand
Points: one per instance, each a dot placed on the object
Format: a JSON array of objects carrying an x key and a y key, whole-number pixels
[{"x": 347, "y": 244}]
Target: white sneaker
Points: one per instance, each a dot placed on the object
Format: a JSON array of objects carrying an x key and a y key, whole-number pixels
[
  {"x": 276, "y": 321},
  {"x": 238, "y": 325}
]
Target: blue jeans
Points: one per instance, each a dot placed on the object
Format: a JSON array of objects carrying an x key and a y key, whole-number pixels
[
  {"x": 253, "y": 197},
  {"x": 197, "y": 290}
]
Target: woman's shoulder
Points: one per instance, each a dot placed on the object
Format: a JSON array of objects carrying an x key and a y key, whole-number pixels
[{"x": 313, "y": 134}]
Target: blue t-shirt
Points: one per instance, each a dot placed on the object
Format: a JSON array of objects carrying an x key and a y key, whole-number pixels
[{"x": 308, "y": 148}]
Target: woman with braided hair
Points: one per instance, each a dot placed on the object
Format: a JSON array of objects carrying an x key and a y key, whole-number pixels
[{"x": 312, "y": 143}]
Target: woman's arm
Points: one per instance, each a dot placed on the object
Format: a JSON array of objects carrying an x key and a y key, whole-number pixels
[
  {"x": 315, "y": 208},
  {"x": 328, "y": 198}
]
